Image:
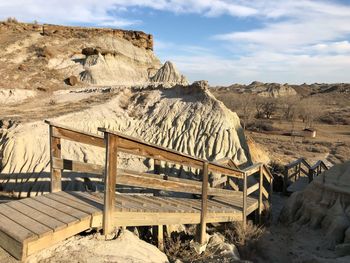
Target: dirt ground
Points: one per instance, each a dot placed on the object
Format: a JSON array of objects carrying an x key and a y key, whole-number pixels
[{"x": 332, "y": 143}]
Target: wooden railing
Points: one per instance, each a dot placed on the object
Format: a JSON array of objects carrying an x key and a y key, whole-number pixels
[
  {"x": 114, "y": 142},
  {"x": 299, "y": 167}
]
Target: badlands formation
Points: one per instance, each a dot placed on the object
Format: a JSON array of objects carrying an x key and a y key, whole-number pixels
[{"x": 121, "y": 86}]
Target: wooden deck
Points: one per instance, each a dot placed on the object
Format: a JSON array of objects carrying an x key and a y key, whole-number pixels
[{"x": 31, "y": 224}]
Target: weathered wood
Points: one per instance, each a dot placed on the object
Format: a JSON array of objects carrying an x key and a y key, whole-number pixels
[
  {"x": 78, "y": 136},
  {"x": 161, "y": 153},
  {"x": 55, "y": 152},
  {"x": 233, "y": 185},
  {"x": 244, "y": 212},
  {"x": 110, "y": 181},
  {"x": 252, "y": 189},
  {"x": 75, "y": 166},
  {"x": 285, "y": 180},
  {"x": 204, "y": 205},
  {"x": 250, "y": 170},
  {"x": 260, "y": 201},
  {"x": 219, "y": 181},
  {"x": 158, "y": 235}
]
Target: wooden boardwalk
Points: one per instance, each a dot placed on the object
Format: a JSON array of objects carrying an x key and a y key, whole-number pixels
[{"x": 32, "y": 224}]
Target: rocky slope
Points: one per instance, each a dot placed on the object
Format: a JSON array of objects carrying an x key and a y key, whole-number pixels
[
  {"x": 324, "y": 204},
  {"x": 185, "y": 118},
  {"x": 273, "y": 90}
]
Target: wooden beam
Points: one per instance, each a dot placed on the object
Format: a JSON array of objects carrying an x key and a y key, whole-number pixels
[
  {"x": 158, "y": 235},
  {"x": 233, "y": 185},
  {"x": 76, "y": 166},
  {"x": 55, "y": 152},
  {"x": 252, "y": 189},
  {"x": 260, "y": 201},
  {"x": 252, "y": 169},
  {"x": 110, "y": 181},
  {"x": 204, "y": 205},
  {"x": 244, "y": 211},
  {"x": 80, "y": 137}
]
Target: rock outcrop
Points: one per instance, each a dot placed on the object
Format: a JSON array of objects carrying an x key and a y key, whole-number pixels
[
  {"x": 324, "y": 204},
  {"x": 184, "y": 118},
  {"x": 169, "y": 75}
]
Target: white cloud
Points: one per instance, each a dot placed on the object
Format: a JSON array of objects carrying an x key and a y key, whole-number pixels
[
  {"x": 109, "y": 12},
  {"x": 295, "y": 41}
]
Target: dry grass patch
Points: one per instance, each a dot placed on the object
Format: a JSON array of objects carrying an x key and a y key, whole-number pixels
[{"x": 246, "y": 239}]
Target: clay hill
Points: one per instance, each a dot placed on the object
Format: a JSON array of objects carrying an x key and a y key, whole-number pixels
[
  {"x": 276, "y": 90},
  {"x": 89, "y": 78}
]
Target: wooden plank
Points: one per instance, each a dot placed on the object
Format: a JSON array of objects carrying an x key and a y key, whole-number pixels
[
  {"x": 227, "y": 162},
  {"x": 47, "y": 241},
  {"x": 78, "y": 136},
  {"x": 153, "y": 151},
  {"x": 80, "y": 199},
  {"x": 233, "y": 185},
  {"x": 260, "y": 201},
  {"x": 147, "y": 219},
  {"x": 12, "y": 246},
  {"x": 250, "y": 170},
  {"x": 110, "y": 181},
  {"x": 38, "y": 216},
  {"x": 252, "y": 189},
  {"x": 267, "y": 173},
  {"x": 265, "y": 193},
  {"x": 65, "y": 208},
  {"x": 204, "y": 205},
  {"x": 55, "y": 152},
  {"x": 25, "y": 221},
  {"x": 75, "y": 166},
  {"x": 213, "y": 167},
  {"x": 244, "y": 212},
  {"x": 15, "y": 230},
  {"x": 161, "y": 177},
  {"x": 153, "y": 181},
  {"x": 77, "y": 205},
  {"x": 50, "y": 211},
  {"x": 219, "y": 181}
]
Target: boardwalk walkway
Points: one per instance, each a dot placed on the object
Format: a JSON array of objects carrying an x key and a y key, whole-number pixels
[{"x": 32, "y": 224}]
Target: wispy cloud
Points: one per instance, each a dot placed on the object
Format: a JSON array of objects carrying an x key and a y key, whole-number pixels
[{"x": 110, "y": 12}]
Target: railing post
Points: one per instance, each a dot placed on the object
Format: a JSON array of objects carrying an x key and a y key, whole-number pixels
[
  {"x": 55, "y": 151},
  {"x": 244, "y": 209},
  {"x": 204, "y": 206},
  {"x": 110, "y": 181},
  {"x": 311, "y": 175},
  {"x": 261, "y": 180},
  {"x": 285, "y": 180}
]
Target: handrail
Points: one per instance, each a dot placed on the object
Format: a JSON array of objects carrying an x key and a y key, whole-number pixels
[
  {"x": 311, "y": 172},
  {"x": 114, "y": 142}
]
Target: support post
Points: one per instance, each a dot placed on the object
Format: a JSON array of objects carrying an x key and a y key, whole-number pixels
[
  {"x": 244, "y": 209},
  {"x": 158, "y": 234},
  {"x": 261, "y": 180},
  {"x": 55, "y": 151},
  {"x": 157, "y": 166},
  {"x": 285, "y": 180},
  {"x": 110, "y": 181},
  {"x": 204, "y": 207}
]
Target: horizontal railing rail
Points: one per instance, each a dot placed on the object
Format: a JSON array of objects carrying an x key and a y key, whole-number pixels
[{"x": 301, "y": 166}]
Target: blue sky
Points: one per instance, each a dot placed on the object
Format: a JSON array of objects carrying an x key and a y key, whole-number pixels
[{"x": 223, "y": 41}]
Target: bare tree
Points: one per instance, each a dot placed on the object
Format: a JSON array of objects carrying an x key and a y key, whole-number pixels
[
  {"x": 269, "y": 107},
  {"x": 246, "y": 103},
  {"x": 265, "y": 107},
  {"x": 310, "y": 109}
]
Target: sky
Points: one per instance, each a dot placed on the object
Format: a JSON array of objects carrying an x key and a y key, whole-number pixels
[{"x": 222, "y": 41}]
